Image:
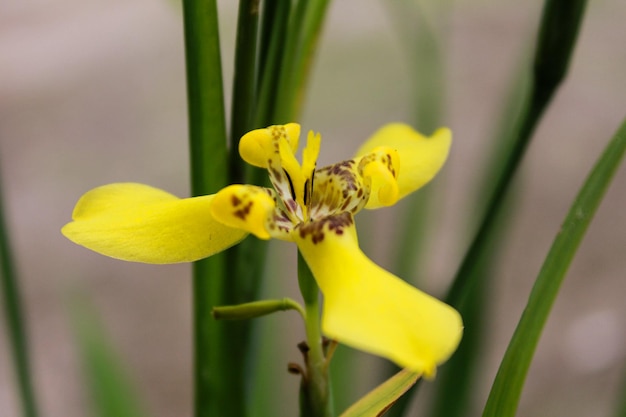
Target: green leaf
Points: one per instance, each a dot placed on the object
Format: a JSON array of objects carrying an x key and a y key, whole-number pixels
[
  {"x": 16, "y": 325},
  {"x": 561, "y": 20},
  {"x": 507, "y": 387},
  {"x": 456, "y": 380},
  {"x": 106, "y": 379},
  {"x": 303, "y": 31},
  {"x": 380, "y": 399},
  {"x": 620, "y": 409},
  {"x": 274, "y": 22}
]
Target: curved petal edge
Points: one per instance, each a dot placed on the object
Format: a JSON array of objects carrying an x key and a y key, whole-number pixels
[
  {"x": 370, "y": 309},
  {"x": 421, "y": 157},
  {"x": 138, "y": 223}
]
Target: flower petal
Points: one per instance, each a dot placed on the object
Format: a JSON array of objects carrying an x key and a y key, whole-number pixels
[
  {"x": 257, "y": 146},
  {"x": 139, "y": 223},
  {"x": 381, "y": 167},
  {"x": 420, "y": 157},
  {"x": 245, "y": 207},
  {"x": 368, "y": 308}
]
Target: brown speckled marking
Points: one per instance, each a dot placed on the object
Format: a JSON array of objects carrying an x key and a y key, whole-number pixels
[
  {"x": 276, "y": 174},
  {"x": 318, "y": 228},
  {"x": 385, "y": 158},
  {"x": 243, "y": 212},
  {"x": 338, "y": 188},
  {"x": 330, "y": 197}
]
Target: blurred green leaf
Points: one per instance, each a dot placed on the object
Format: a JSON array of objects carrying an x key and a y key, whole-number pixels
[
  {"x": 421, "y": 29},
  {"x": 456, "y": 380},
  {"x": 380, "y": 399},
  {"x": 274, "y": 23},
  {"x": 303, "y": 32},
  {"x": 107, "y": 381},
  {"x": 507, "y": 387},
  {"x": 621, "y": 400},
  {"x": 16, "y": 325},
  {"x": 561, "y": 20}
]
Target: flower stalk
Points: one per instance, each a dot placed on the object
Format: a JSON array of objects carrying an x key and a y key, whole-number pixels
[{"x": 315, "y": 395}]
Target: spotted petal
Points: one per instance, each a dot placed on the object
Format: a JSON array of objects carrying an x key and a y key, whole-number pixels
[
  {"x": 370, "y": 309},
  {"x": 420, "y": 157},
  {"x": 246, "y": 207},
  {"x": 258, "y": 146},
  {"x": 136, "y": 222}
]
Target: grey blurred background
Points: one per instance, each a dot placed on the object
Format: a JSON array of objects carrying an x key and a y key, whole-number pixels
[{"x": 93, "y": 92}]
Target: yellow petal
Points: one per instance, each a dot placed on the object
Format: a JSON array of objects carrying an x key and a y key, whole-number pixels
[
  {"x": 370, "y": 309},
  {"x": 420, "y": 157},
  {"x": 256, "y": 147},
  {"x": 381, "y": 167},
  {"x": 245, "y": 207},
  {"x": 139, "y": 223}
]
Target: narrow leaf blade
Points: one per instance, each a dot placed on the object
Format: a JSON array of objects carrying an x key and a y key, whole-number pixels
[
  {"x": 381, "y": 398},
  {"x": 507, "y": 387}
]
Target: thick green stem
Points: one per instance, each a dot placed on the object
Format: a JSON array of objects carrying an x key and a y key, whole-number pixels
[
  {"x": 315, "y": 395},
  {"x": 15, "y": 322},
  {"x": 244, "y": 83},
  {"x": 219, "y": 374}
]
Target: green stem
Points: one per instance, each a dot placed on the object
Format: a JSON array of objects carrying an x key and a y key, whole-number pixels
[
  {"x": 244, "y": 262},
  {"x": 507, "y": 387},
  {"x": 244, "y": 83},
  {"x": 315, "y": 396},
  {"x": 557, "y": 36},
  {"x": 218, "y": 369},
  {"x": 15, "y": 321}
]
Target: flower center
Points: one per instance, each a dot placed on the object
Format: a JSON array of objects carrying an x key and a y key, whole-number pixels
[
  {"x": 308, "y": 194},
  {"x": 302, "y": 195}
]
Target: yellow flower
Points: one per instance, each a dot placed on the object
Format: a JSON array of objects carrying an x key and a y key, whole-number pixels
[{"x": 364, "y": 306}]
